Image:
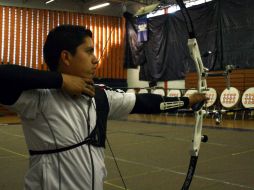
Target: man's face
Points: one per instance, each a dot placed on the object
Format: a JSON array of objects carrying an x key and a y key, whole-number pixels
[{"x": 83, "y": 63}]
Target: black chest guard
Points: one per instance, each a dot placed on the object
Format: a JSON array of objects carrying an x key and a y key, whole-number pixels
[{"x": 98, "y": 135}]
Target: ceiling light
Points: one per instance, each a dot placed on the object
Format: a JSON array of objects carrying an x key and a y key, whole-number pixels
[
  {"x": 99, "y": 6},
  {"x": 50, "y": 1}
]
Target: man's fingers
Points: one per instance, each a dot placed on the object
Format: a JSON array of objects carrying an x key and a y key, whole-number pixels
[
  {"x": 89, "y": 90},
  {"x": 77, "y": 95},
  {"x": 89, "y": 81},
  {"x": 75, "y": 86},
  {"x": 89, "y": 87}
]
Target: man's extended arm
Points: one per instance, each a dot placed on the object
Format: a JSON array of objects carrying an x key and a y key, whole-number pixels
[{"x": 153, "y": 103}]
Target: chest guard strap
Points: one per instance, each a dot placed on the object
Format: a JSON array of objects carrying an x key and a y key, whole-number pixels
[{"x": 98, "y": 136}]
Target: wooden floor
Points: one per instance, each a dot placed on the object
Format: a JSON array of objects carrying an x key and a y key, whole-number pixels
[
  {"x": 228, "y": 121},
  {"x": 152, "y": 152}
]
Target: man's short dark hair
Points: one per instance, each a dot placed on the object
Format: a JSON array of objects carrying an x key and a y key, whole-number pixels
[{"x": 63, "y": 37}]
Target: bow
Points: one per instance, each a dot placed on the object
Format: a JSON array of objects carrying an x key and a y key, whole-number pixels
[
  {"x": 199, "y": 112},
  {"x": 202, "y": 73},
  {"x": 202, "y": 87}
]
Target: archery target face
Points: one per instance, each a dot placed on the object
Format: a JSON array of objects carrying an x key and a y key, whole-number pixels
[
  {"x": 248, "y": 98},
  {"x": 229, "y": 97},
  {"x": 174, "y": 93},
  {"x": 143, "y": 91},
  {"x": 159, "y": 92},
  {"x": 212, "y": 95}
]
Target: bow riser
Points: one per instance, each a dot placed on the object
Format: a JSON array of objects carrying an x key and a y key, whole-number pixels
[
  {"x": 199, "y": 113},
  {"x": 201, "y": 70}
]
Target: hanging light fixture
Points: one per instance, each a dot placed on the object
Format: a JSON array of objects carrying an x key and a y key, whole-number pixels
[
  {"x": 50, "y": 1},
  {"x": 98, "y": 6}
]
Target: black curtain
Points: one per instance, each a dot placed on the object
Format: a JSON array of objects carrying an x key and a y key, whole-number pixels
[{"x": 225, "y": 27}]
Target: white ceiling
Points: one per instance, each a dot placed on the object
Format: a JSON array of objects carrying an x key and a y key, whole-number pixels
[{"x": 116, "y": 7}]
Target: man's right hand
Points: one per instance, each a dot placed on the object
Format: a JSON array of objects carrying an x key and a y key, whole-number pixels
[{"x": 75, "y": 86}]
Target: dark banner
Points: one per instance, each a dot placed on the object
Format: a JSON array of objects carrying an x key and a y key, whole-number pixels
[{"x": 224, "y": 27}]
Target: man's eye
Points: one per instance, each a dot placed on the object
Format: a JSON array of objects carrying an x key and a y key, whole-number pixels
[{"x": 90, "y": 51}]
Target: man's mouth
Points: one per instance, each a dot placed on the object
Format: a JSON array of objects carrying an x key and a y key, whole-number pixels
[{"x": 93, "y": 73}]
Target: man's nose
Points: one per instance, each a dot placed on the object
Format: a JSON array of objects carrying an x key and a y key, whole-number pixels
[{"x": 95, "y": 60}]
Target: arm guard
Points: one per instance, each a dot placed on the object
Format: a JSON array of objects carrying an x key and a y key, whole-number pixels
[{"x": 153, "y": 103}]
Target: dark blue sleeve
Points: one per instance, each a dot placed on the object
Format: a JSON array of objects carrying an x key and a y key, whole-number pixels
[{"x": 15, "y": 79}]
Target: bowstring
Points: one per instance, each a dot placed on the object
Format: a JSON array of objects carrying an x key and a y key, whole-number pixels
[{"x": 110, "y": 148}]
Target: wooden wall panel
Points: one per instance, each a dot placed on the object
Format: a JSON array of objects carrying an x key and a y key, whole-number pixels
[
  {"x": 34, "y": 48},
  {"x": 40, "y": 40},
  {"x": 24, "y": 31},
  {"x": 29, "y": 35},
  {"x": 113, "y": 49},
  {"x": 12, "y": 31},
  {"x": 117, "y": 49},
  {"x": 23, "y": 37},
  {"x": 110, "y": 43},
  {"x": 104, "y": 63},
  {"x": 18, "y": 30},
  {"x": 101, "y": 46},
  {"x": 1, "y": 20},
  {"x": 5, "y": 39},
  {"x": 241, "y": 79}
]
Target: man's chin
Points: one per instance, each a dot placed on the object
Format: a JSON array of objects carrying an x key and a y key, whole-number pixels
[
  {"x": 90, "y": 76},
  {"x": 93, "y": 75}
]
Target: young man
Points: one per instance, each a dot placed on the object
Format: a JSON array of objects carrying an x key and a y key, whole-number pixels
[{"x": 64, "y": 117}]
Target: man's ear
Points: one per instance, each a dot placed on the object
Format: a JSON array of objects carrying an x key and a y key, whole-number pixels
[{"x": 65, "y": 57}]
